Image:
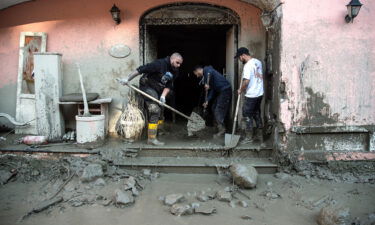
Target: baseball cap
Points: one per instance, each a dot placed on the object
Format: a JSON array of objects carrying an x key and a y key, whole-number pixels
[{"x": 241, "y": 51}]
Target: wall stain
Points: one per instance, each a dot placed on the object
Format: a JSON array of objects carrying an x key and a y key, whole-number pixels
[{"x": 318, "y": 111}]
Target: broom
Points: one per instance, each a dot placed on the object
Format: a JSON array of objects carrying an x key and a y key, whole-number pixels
[{"x": 131, "y": 122}]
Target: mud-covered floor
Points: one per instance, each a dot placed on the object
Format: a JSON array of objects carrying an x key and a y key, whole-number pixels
[{"x": 284, "y": 199}]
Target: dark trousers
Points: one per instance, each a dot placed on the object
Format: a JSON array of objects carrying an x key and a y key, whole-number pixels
[
  {"x": 221, "y": 105},
  {"x": 154, "y": 111},
  {"x": 251, "y": 111}
]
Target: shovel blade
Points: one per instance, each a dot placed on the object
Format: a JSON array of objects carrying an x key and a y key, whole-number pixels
[
  {"x": 231, "y": 141},
  {"x": 196, "y": 123}
]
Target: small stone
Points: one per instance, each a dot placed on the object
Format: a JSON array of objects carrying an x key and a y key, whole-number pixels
[
  {"x": 232, "y": 204},
  {"x": 92, "y": 172},
  {"x": 195, "y": 205},
  {"x": 331, "y": 215},
  {"x": 123, "y": 198},
  {"x": 245, "y": 176},
  {"x": 282, "y": 175},
  {"x": 129, "y": 183},
  {"x": 269, "y": 184},
  {"x": 135, "y": 191},
  {"x": 228, "y": 189},
  {"x": 181, "y": 209},
  {"x": 35, "y": 173},
  {"x": 224, "y": 196},
  {"x": 146, "y": 172},
  {"x": 243, "y": 204},
  {"x": 5, "y": 176},
  {"x": 203, "y": 198},
  {"x": 245, "y": 217},
  {"x": 205, "y": 209},
  {"x": 173, "y": 199},
  {"x": 155, "y": 175},
  {"x": 100, "y": 182}
]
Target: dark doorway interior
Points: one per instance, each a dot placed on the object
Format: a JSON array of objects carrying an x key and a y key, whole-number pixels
[{"x": 198, "y": 44}]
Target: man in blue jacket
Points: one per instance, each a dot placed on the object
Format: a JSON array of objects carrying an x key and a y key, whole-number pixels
[{"x": 219, "y": 91}]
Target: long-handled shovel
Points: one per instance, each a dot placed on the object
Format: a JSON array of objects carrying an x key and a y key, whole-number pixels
[
  {"x": 195, "y": 123},
  {"x": 231, "y": 140}
]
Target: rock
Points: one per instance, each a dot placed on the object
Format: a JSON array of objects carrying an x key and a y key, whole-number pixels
[
  {"x": 92, "y": 172},
  {"x": 35, "y": 173},
  {"x": 181, "y": 209},
  {"x": 243, "y": 204},
  {"x": 331, "y": 215},
  {"x": 244, "y": 176},
  {"x": 195, "y": 205},
  {"x": 123, "y": 198},
  {"x": 282, "y": 175},
  {"x": 246, "y": 217},
  {"x": 224, "y": 196},
  {"x": 155, "y": 175},
  {"x": 135, "y": 191},
  {"x": 129, "y": 183},
  {"x": 269, "y": 183},
  {"x": 232, "y": 204},
  {"x": 146, "y": 172},
  {"x": 203, "y": 197},
  {"x": 173, "y": 199},
  {"x": 100, "y": 182},
  {"x": 5, "y": 176},
  {"x": 205, "y": 209}
]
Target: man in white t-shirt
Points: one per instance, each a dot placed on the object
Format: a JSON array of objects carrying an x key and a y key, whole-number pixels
[{"x": 252, "y": 85}]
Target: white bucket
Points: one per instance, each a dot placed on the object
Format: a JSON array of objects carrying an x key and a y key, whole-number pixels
[{"x": 90, "y": 129}]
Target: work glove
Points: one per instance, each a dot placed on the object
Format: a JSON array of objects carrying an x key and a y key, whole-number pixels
[
  {"x": 166, "y": 77},
  {"x": 123, "y": 81},
  {"x": 162, "y": 99}
]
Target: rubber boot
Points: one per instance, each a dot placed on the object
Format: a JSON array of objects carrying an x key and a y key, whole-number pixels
[
  {"x": 152, "y": 132},
  {"x": 249, "y": 137},
  {"x": 258, "y": 135},
  {"x": 221, "y": 131}
]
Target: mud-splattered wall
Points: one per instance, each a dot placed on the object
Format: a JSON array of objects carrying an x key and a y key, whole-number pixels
[
  {"x": 327, "y": 65},
  {"x": 327, "y": 79},
  {"x": 83, "y": 31}
]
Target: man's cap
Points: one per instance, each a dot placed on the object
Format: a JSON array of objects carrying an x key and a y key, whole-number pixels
[{"x": 241, "y": 51}]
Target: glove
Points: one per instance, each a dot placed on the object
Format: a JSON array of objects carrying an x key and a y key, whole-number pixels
[
  {"x": 123, "y": 81},
  {"x": 162, "y": 99},
  {"x": 166, "y": 77}
]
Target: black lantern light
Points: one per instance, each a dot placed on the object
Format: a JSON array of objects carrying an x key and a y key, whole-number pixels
[
  {"x": 353, "y": 9},
  {"x": 115, "y": 12}
]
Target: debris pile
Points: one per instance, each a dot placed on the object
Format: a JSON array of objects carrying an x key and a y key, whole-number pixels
[{"x": 75, "y": 181}]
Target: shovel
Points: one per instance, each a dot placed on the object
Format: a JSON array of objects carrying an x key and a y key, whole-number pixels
[
  {"x": 231, "y": 140},
  {"x": 196, "y": 122}
]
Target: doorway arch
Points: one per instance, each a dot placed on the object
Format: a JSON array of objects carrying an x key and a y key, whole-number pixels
[{"x": 203, "y": 33}]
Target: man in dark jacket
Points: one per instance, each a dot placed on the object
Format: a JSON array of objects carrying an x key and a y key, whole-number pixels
[
  {"x": 219, "y": 91},
  {"x": 157, "y": 81}
]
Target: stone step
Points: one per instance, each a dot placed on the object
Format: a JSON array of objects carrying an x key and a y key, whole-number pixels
[
  {"x": 194, "y": 165},
  {"x": 151, "y": 151}
]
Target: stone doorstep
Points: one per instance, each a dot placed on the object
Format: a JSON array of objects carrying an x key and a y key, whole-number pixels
[{"x": 195, "y": 164}]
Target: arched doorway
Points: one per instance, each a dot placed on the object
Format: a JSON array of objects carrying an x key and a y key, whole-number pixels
[{"x": 204, "y": 34}]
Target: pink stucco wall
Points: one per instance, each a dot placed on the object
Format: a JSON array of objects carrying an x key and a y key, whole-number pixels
[
  {"x": 83, "y": 31},
  {"x": 327, "y": 62}
]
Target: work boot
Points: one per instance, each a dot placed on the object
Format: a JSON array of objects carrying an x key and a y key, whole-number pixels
[
  {"x": 249, "y": 137},
  {"x": 221, "y": 131},
  {"x": 258, "y": 135},
  {"x": 152, "y": 131}
]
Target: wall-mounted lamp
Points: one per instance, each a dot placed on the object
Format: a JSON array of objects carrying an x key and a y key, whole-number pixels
[
  {"x": 353, "y": 9},
  {"x": 115, "y": 12}
]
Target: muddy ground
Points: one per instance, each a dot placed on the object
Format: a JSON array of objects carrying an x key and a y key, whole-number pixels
[{"x": 283, "y": 199}]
